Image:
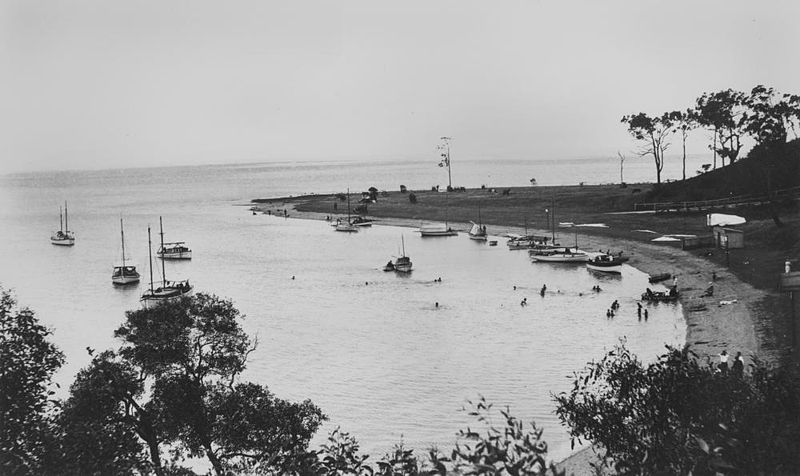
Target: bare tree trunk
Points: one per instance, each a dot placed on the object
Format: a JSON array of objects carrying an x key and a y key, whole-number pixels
[{"x": 714, "y": 148}]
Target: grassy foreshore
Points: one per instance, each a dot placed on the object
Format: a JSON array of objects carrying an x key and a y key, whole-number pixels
[{"x": 756, "y": 323}]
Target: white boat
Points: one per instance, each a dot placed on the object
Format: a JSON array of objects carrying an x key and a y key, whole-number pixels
[
  {"x": 606, "y": 263},
  {"x": 124, "y": 273},
  {"x": 346, "y": 226},
  {"x": 165, "y": 290},
  {"x": 63, "y": 237},
  {"x": 524, "y": 242},
  {"x": 478, "y": 230},
  {"x": 173, "y": 250},
  {"x": 560, "y": 255},
  {"x": 403, "y": 263}
]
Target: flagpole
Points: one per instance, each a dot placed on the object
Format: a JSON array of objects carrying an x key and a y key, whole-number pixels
[{"x": 446, "y": 161}]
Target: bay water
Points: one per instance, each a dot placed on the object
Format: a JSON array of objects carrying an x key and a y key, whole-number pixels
[{"x": 371, "y": 348}]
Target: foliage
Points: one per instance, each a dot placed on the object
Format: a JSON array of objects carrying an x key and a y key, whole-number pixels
[
  {"x": 725, "y": 112},
  {"x": 99, "y": 424},
  {"x": 770, "y": 116},
  {"x": 28, "y": 361},
  {"x": 652, "y": 132},
  {"x": 510, "y": 449},
  {"x": 677, "y": 415}
]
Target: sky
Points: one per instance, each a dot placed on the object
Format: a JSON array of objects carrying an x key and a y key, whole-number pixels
[{"x": 90, "y": 84}]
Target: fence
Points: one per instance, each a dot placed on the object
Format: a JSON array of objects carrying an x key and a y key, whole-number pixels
[{"x": 730, "y": 202}]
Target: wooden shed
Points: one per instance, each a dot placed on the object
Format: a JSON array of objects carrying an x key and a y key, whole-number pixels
[{"x": 728, "y": 238}]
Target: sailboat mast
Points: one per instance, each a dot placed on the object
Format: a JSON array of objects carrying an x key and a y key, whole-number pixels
[
  {"x": 150, "y": 257},
  {"x": 348, "y": 206},
  {"x": 122, "y": 237},
  {"x": 554, "y": 218},
  {"x": 403, "y": 242},
  {"x": 61, "y": 218},
  {"x": 66, "y": 216},
  {"x": 163, "y": 271}
]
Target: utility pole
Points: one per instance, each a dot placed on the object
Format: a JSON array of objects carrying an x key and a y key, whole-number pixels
[
  {"x": 444, "y": 149},
  {"x": 621, "y": 161}
]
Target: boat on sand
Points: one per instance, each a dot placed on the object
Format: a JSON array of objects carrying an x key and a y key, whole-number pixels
[{"x": 606, "y": 263}]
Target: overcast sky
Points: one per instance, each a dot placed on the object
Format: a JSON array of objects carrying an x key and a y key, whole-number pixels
[{"x": 103, "y": 84}]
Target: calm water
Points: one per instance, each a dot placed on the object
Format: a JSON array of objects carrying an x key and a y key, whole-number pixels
[{"x": 368, "y": 347}]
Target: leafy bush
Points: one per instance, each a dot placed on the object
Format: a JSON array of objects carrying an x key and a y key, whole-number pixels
[{"x": 678, "y": 415}]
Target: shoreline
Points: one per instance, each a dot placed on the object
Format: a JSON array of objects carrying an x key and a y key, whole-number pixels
[{"x": 710, "y": 326}]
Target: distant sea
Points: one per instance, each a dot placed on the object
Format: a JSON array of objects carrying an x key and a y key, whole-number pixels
[{"x": 369, "y": 347}]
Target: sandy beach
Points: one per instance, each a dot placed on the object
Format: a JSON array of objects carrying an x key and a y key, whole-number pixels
[{"x": 738, "y": 317}]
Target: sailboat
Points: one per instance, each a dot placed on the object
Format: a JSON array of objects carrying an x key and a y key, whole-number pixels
[
  {"x": 166, "y": 290},
  {"x": 555, "y": 254},
  {"x": 403, "y": 263},
  {"x": 63, "y": 236},
  {"x": 173, "y": 250},
  {"x": 438, "y": 229},
  {"x": 478, "y": 230},
  {"x": 348, "y": 225},
  {"x": 124, "y": 274}
]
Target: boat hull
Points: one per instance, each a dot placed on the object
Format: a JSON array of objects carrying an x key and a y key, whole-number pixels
[
  {"x": 164, "y": 294},
  {"x": 477, "y": 237},
  {"x": 346, "y": 228},
  {"x": 615, "y": 269},
  {"x": 561, "y": 258},
  {"x": 125, "y": 279},
  {"x": 175, "y": 255},
  {"x": 63, "y": 241}
]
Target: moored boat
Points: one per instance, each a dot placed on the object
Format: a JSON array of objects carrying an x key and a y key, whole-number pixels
[
  {"x": 477, "y": 232},
  {"x": 165, "y": 290},
  {"x": 606, "y": 263},
  {"x": 346, "y": 226},
  {"x": 661, "y": 296},
  {"x": 559, "y": 255},
  {"x": 173, "y": 250},
  {"x": 124, "y": 273},
  {"x": 438, "y": 229},
  {"x": 63, "y": 237},
  {"x": 361, "y": 222},
  {"x": 403, "y": 263}
]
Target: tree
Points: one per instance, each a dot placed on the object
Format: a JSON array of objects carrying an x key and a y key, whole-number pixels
[
  {"x": 769, "y": 116},
  {"x": 725, "y": 112},
  {"x": 28, "y": 361},
  {"x": 666, "y": 417},
  {"x": 683, "y": 122},
  {"x": 192, "y": 352},
  {"x": 652, "y": 132},
  {"x": 105, "y": 419}
]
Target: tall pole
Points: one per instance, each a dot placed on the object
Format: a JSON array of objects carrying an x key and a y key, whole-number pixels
[
  {"x": 61, "y": 219},
  {"x": 163, "y": 271},
  {"x": 122, "y": 236},
  {"x": 66, "y": 216},
  {"x": 553, "y": 217},
  {"x": 150, "y": 258}
]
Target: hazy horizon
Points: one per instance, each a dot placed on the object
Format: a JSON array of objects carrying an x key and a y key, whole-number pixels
[{"x": 104, "y": 85}]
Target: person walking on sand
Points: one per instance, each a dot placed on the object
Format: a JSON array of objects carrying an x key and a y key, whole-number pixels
[
  {"x": 723, "y": 361},
  {"x": 544, "y": 288},
  {"x": 645, "y": 314},
  {"x": 639, "y": 309},
  {"x": 738, "y": 365}
]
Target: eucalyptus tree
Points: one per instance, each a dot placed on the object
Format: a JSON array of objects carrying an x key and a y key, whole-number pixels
[
  {"x": 652, "y": 133},
  {"x": 725, "y": 112},
  {"x": 770, "y": 115}
]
